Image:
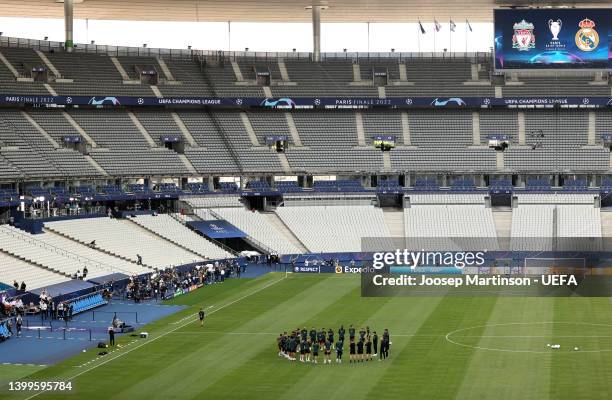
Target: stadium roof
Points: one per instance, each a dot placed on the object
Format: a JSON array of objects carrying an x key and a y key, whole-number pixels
[{"x": 270, "y": 10}]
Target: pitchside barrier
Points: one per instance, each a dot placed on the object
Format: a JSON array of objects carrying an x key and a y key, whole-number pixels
[
  {"x": 61, "y": 332},
  {"x": 554, "y": 265},
  {"x": 108, "y": 316}
]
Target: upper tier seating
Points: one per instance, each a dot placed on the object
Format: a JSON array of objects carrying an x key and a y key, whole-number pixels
[
  {"x": 214, "y": 201},
  {"x": 444, "y": 137},
  {"x": 449, "y": 199}
]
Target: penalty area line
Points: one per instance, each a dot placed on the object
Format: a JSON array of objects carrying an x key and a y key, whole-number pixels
[{"x": 144, "y": 343}]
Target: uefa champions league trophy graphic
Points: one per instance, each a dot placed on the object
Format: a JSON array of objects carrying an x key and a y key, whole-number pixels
[{"x": 555, "y": 28}]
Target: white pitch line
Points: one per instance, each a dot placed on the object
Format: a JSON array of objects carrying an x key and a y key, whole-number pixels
[
  {"x": 161, "y": 336},
  {"x": 276, "y": 334},
  {"x": 552, "y": 336},
  {"x": 191, "y": 316},
  {"x": 478, "y": 347}
]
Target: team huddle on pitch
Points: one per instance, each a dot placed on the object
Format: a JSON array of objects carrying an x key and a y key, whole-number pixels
[{"x": 308, "y": 344}]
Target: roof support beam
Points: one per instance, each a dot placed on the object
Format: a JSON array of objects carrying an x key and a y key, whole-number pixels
[
  {"x": 316, "y": 33},
  {"x": 68, "y": 20}
]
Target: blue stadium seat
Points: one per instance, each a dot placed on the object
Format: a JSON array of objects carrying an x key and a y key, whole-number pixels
[
  {"x": 87, "y": 303},
  {"x": 197, "y": 188},
  {"x": 259, "y": 185},
  {"x": 426, "y": 185},
  {"x": 228, "y": 186},
  {"x": 288, "y": 186}
]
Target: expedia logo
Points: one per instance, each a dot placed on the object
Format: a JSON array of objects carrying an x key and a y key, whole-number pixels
[
  {"x": 358, "y": 270},
  {"x": 339, "y": 270}
]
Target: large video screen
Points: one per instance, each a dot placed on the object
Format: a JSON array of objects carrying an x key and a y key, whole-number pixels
[{"x": 553, "y": 38}]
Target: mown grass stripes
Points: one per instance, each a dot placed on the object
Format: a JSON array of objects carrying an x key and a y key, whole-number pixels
[{"x": 234, "y": 355}]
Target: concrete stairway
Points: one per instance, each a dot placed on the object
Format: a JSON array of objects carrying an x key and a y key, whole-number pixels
[
  {"x": 394, "y": 219},
  {"x": 154, "y": 235},
  {"x": 280, "y": 226},
  {"x": 184, "y": 130},
  {"x": 40, "y": 130},
  {"x": 8, "y": 65},
  {"x": 51, "y": 230},
  {"x": 386, "y": 160},
  {"x": 606, "y": 229},
  {"x": 34, "y": 263},
  {"x": 293, "y": 130},
  {"x": 143, "y": 131},
  {"x": 502, "y": 219},
  {"x": 120, "y": 68},
  {"x": 249, "y": 129},
  {"x": 284, "y": 162},
  {"x": 79, "y": 129},
  {"x": 187, "y": 164},
  {"x": 95, "y": 164}
]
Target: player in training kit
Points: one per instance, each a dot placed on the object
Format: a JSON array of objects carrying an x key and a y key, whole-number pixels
[
  {"x": 351, "y": 333},
  {"x": 339, "y": 345},
  {"x": 328, "y": 346},
  {"x": 330, "y": 336},
  {"x": 382, "y": 354},
  {"x": 321, "y": 337},
  {"x": 302, "y": 350},
  {"x": 387, "y": 340},
  {"x": 360, "y": 350},
  {"x": 363, "y": 345},
  {"x": 285, "y": 345},
  {"x": 375, "y": 343},
  {"x": 384, "y": 345},
  {"x": 201, "y": 314},
  {"x": 279, "y": 342},
  {"x": 315, "y": 352},
  {"x": 292, "y": 347}
]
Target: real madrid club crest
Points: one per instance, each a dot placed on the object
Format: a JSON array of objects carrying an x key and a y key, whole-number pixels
[
  {"x": 523, "y": 38},
  {"x": 587, "y": 38}
]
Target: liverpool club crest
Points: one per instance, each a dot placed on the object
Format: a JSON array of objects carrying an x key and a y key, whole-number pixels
[
  {"x": 523, "y": 38},
  {"x": 587, "y": 38}
]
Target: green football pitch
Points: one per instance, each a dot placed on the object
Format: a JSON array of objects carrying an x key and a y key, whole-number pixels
[{"x": 442, "y": 348}]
